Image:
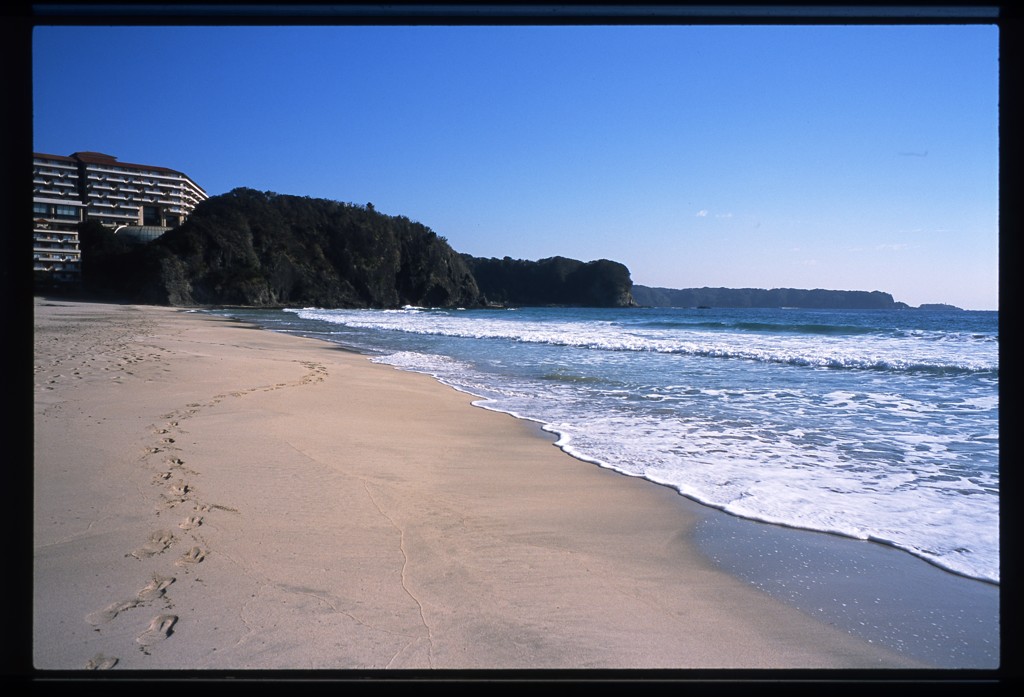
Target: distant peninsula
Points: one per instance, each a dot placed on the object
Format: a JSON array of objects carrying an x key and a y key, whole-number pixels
[{"x": 772, "y": 298}]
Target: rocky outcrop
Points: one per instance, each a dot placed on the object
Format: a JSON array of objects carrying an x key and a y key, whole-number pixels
[{"x": 552, "y": 281}]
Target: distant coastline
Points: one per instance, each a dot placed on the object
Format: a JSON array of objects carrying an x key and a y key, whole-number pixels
[{"x": 775, "y": 298}]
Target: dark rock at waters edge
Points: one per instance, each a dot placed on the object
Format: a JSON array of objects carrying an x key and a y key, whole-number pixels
[
  {"x": 247, "y": 248},
  {"x": 762, "y": 298},
  {"x": 553, "y": 281}
]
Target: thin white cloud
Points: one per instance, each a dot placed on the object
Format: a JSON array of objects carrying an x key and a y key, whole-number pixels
[
  {"x": 896, "y": 247},
  {"x": 702, "y": 213}
]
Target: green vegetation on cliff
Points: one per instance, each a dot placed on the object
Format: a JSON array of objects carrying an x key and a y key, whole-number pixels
[
  {"x": 553, "y": 281},
  {"x": 270, "y": 250},
  {"x": 265, "y": 249}
]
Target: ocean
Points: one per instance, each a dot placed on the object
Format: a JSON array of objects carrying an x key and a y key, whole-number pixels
[{"x": 877, "y": 425}]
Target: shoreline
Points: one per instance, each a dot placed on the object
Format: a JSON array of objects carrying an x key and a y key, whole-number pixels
[
  {"x": 867, "y": 579},
  {"x": 211, "y": 495},
  {"x": 871, "y": 604}
]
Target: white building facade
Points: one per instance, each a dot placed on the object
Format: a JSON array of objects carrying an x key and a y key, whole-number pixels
[{"x": 94, "y": 186}]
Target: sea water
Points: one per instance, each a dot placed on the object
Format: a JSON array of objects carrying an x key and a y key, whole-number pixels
[{"x": 878, "y": 425}]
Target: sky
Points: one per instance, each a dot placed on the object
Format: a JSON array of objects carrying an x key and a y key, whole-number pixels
[{"x": 847, "y": 157}]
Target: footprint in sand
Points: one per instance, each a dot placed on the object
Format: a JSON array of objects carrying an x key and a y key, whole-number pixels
[
  {"x": 101, "y": 662},
  {"x": 155, "y": 588},
  {"x": 193, "y": 521},
  {"x": 152, "y": 591},
  {"x": 178, "y": 463},
  {"x": 110, "y": 612},
  {"x": 177, "y": 493},
  {"x": 180, "y": 489},
  {"x": 193, "y": 556},
  {"x": 159, "y": 629},
  {"x": 158, "y": 542}
]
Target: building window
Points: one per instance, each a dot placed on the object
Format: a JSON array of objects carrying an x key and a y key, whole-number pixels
[
  {"x": 150, "y": 215},
  {"x": 40, "y": 208},
  {"x": 65, "y": 211}
]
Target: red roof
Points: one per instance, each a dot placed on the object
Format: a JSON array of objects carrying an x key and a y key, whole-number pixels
[
  {"x": 99, "y": 158},
  {"x": 45, "y": 156}
]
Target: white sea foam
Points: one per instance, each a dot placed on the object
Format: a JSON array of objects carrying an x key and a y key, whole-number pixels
[
  {"x": 881, "y": 352},
  {"x": 888, "y": 435}
]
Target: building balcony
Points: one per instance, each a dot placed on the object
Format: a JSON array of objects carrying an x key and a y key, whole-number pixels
[
  {"x": 50, "y": 237},
  {"x": 55, "y": 255},
  {"x": 63, "y": 225},
  {"x": 164, "y": 178},
  {"x": 50, "y": 170},
  {"x": 62, "y": 257}
]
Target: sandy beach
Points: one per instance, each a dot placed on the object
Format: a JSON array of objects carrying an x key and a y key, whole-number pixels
[{"x": 209, "y": 495}]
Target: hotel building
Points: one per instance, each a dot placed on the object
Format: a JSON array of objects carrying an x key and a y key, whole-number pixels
[{"x": 138, "y": 201}]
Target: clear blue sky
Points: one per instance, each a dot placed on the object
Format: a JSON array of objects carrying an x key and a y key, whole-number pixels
[{"x": 842, "y": 157}]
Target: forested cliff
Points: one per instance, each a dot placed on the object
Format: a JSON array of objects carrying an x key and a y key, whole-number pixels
[
  {"x": 553, "y": 281},
  {"x": 261, "y": 249}
]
